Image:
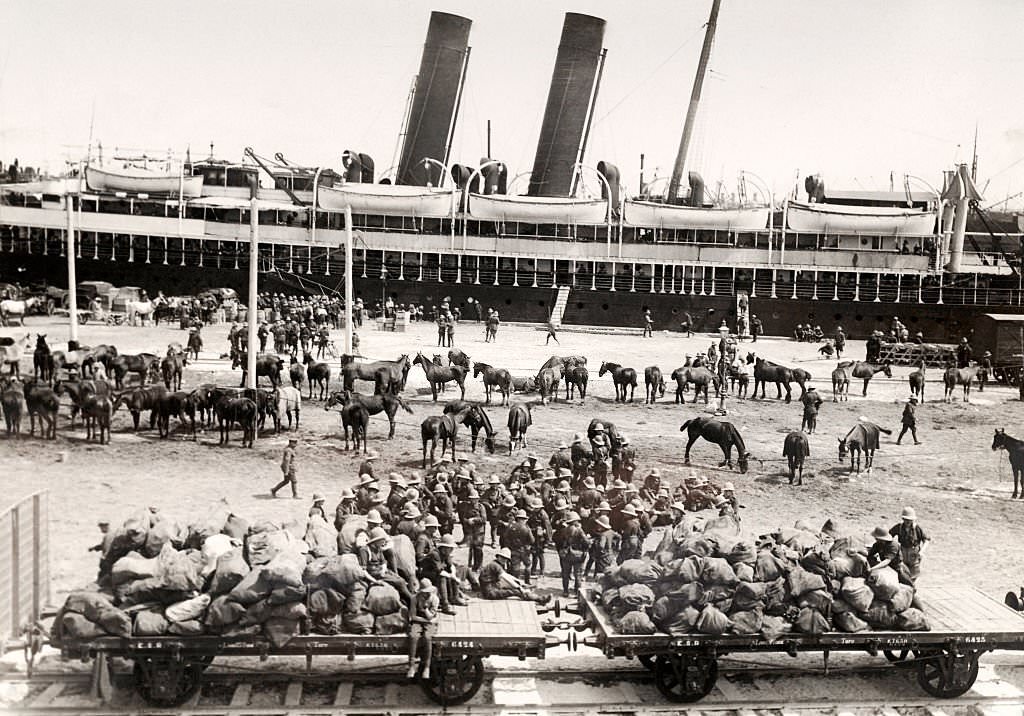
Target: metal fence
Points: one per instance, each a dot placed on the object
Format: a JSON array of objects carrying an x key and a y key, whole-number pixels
[{"x": 24, "y": 564}]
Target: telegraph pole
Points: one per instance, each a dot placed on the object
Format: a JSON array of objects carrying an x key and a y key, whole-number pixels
[
  {"x": 254, "y": 256},
  {"x": 72, "y": 279},
  {"x": 349, "y": 302}
]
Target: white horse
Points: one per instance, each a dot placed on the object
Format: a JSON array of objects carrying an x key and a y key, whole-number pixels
[
  {"x": 11, "y": 308},
  {"x": 289, "y": 400},
  {"x": 11, "y": 355},
  {"x": 141, "y": 310}
]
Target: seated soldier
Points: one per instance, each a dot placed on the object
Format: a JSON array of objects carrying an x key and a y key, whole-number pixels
[{"x": 497, "y": 583}]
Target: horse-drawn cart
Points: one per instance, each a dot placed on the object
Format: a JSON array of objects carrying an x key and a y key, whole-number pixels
[
  {"x": 965, "y": 623},
  {"x": 168, "y": 669}
]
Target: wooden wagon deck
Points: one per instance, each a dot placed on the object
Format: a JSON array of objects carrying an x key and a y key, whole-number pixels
[{"x": 962, "y": 613}]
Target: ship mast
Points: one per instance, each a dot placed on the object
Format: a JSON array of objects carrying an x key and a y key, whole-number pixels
[{"x": 691, "y": 113}]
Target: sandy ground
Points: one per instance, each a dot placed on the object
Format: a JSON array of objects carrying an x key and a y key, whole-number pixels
[{"x": 958, "y": 485}]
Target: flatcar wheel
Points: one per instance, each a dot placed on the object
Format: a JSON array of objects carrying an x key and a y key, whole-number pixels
[
  {"x": 685, "y": 679},
  {"x": 946, "y": 676},
  {"x": 165, "y": 683},
  {"x": 650, "y": 662},
  {"x": 897, "y": 656},
  {"x": 454, "y": 681}
]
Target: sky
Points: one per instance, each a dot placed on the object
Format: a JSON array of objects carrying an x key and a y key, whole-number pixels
[{"x": 855, "y": 91}]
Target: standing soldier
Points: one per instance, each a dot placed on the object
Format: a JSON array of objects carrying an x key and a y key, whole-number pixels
[
  {"x": 366, "y": 467},
  {"x": 317, "y": 510},
  {"x": 812, "y": 402},
  {"x": 493, "y": 321},
  {"x": 364, "y": 492},
  {"x": 632, "y": 539},
  {"x": 540, "y": 528},
  {"x": 288, "y": 470},
  {"x": 589, "y": 498},
  {"x": 648, "y": 324},
  {"x": 604, "y": 546},
  {"x": 346, "y": 508},
  {"x": 579, "y": 457},
  {"x": 572, "y": 545},
  {"x": 561, "y": 458},
  {"x": 912, "y": 541},
  {"x": 449, "y": 327},
  {"x": 442, "y": 328},
  {"x": 474, "y": 523},
  {"x": 964, "y": 353},
  {"x": 840, "y": 342},
  {"x": 444, "y": 508},
  {"x": 519, "y": 540},
  {"x": 985, "y": 370},
  {"x": 505, "y": 514},
  {"x": 624, "y": 460},
  {"x": 551, "y": 332},
  {"x": 909, "y": 421}
]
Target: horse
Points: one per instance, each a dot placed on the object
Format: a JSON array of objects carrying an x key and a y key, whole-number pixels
[
  {"x": 476, "y": 420},
  {"x": 387, "y": 403},
  {"x": 97, "y": 412},
  {"x": 864, "y": 437},
  {"x": 140, "y": 399},
  {"x": 194, "y": 343},
  {"x": 564, "y": 362},
  {"x": 801, "y": 377},
  {"x": 795, "y": 449},
  {"x": 959, "y": 376},
  {"x": 12, "y": 398},
  {"x": 203, "y": 398},
  {"x": 145, "y": 365},
  {"x": 230, "y": 410},
  {"x": 164, "y": 311},
  {"x": 520, "y": 418},
  {"x": 16, "y": 308},
  {"x": 917, "y": 379},
  {"x": 78, "y": 391},
  {"x": 103, "y": 354},
  {"x": 621, "y": 378},
  {"x": 767, "y": 372},
  {"x": 437, "y": 376},
  {"x": 288, "y": 400},
  {"x": 139, "y": 311},
  {"x": 866, "y": 371},
  {"x": 612, "y": 433},
  {"x": 547, "y": 384},
  {"x": 296, "y": 372},
  {"x": 386, "y": 375},
  {"x": 12, "y": 354},
  {"x": 318, "y": 374},
  {"x": 171, "y": 367},
  {"x": 1015, "y": 449},
  {"x": 701, "y": 379},
  {"x": 739, "y": 377},
  {"x": 576, "y": 377},
  {"x": 40, "y": 400},
  {"x": 724, "y": 434},
  {"x": 42, "y": 360},
  {"x": 527, "y": 384},
  {"x": 69, "y": 361},
  {"x": 653, "y": 381},
  {"x": 840, "y": 385},
  {"x": 180, "y": 405},
  {"x": 267, "y": 365},
  {"x": 457, "y": 357},
  {"x": 494, "y": 377},
  {"x": 440, "y": 427}
]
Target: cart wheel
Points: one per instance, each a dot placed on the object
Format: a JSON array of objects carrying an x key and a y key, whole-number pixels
[
  {"x": 649, "y": 662},
  {"x": 165, "y": 683},
  {"x": 946, "y": 676},
  {"x": 1013, "y": 376},
  {"x": 51, "y": 305},
  {"x": 454, "y": 681},
  {"x": 897, "y": 656},
  {"x": 83, "y": 319},
  {"x": 685, "y": 679}
]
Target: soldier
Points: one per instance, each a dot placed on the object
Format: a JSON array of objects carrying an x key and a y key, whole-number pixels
[
  {"x": 593, "y": 526},
  {"x": 497, "y": 583},
  {"x": 540, "y": 526},
  {"x": 652, "y": 485},
  {"x": 346, "y": 508},
  {"x": 840, "y": 342},
  {"x": 108, "y": 537},
  {"x": 579, "y": 456},
  {"x": 812, "y": 402},
  {"x": 474, "y": 523},
  {"x": 729, "y": 493},
  {"x": 411, "y": 522},
  {"x": 909, "y": 420},
  {"x": 589, "y": 498},
  {"x": 632, "y": 538},
  {"x": 602, "y": 455},
  {"x": 317, "y": 510},
  {"x": 366, "y": 467},
  {"x": 444, "y": 508},
  {"x": 423, "y": 627},
  {"x": 572, "y": 545},
  {"x": 561, "y": 458},
  {"x": 624, "y": 460},
  {"x": 364, "y": 492},
  {"x": 493, "y": 499},
  {"x": 964, "y": 352},
  {"x": 396, "y": 496},
  {"x": 912, "y": 542},
  {"x": 288, "y": 470},
  {"x": 985, "y": 369},
  {"x": 519, "y": 539},
  {"x": 660, "y": 513},
  {"x": 604, "y": 546},
  {"x": 526, "y": 468}
]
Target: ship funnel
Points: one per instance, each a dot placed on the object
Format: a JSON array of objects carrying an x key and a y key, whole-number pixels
[
  {"x": 431, "y": 121},
  {"x": 610, "y": 172},
  {"x": 696, "y": 189},
  {"x": 571, "y": 97}
]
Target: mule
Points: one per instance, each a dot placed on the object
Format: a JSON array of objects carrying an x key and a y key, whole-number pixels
[
  {"x": 863, "y": 438},
  {"x": 1015, "y": 449},
  {"x": 917, "y": 380},
  {"x": 959, "y": 376},
  {"x": 724, "y": 434},
  {"x": 387, "y": 403},
  {"x": 476, "y": 420},
  {"x": 576, "y": 378},
  {"x": 520, "y": 418},
  {"x": 622, "y": 378},
  {"x": 795, "y": 449},
  {"x": 437, "y": 376},
  {"x": 494, "y": 378},
  {"x": 701, "y": 378},
  {"x": 317, "y": 374},
  {"x": 12, "y": 399},
  {"x": 654, "y": 382},
  {"x": 866, "y": 371}
]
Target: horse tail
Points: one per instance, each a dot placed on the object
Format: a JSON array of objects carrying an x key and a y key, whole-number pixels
[
  {"x": 403, "y": 404},
  {"x": 687, "y": 424}
]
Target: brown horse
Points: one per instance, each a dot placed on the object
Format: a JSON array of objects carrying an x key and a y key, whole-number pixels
[
  {"x": 12, "y": 399},
  {"x": 767, "y": 372},
  {"x": 1015, "y": 449},
  {"x": 443, "y": 428},
  {"x": 317, "y": 374},
  {"x": 547, "y": 384},
  {"x": 172, "y": 366},
  {"x": 493, "y": 377},
  {"x": 387, "y": 403},
  {"x": 917, "y": 379},
  {"x": 476, "y": 420},
  {"x": 654, "y": 384},
  {"x": 576, "y": 378},
  {"x": 725, "y": 435},
  {"x": 795, "y": 449},
  {"x": 437, "y": 375},
  {"x": 959, "y": 376},
  {"x": 519, "y": 419},
  {"x": 145, "y": 365},
  {"x": 386, "y": 375},
  {"x": 622, "y": 378},
  {"x": 865, "y": 371},
  {"x": 42, "y": 401},
  {"x": 863, "y": 438}
]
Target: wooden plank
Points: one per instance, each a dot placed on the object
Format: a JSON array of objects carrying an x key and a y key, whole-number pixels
[
  {"x": 293, "y": 695},
  {"x": 240, "y": 698},
  {"x": 343, "y": 696},
  {"x": 391, "y": 694},
  {"x": 48, "y": 696}
]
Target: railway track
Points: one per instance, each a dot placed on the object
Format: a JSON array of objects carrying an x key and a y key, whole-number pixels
[{"x": 743, "y": 690}]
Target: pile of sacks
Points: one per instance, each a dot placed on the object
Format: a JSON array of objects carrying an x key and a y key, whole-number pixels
[
  {"x": 222, "y": 575},
  {"x": 795, "y": 580}
]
